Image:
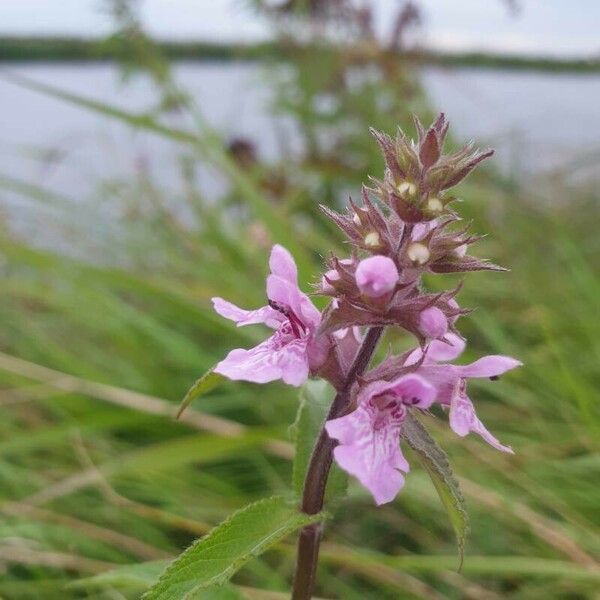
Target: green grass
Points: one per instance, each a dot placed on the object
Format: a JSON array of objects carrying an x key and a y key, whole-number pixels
[{"x": 88, "y": 482}]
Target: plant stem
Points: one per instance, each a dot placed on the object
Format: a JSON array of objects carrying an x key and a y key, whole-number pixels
[{"x": 318, "y": 471}]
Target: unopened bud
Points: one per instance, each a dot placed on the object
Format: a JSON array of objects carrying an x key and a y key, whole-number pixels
[
  {"x": 435, "y": 205},
  {"x": 372, "y": 240},
  {"x": 376, "y": 276},
  {"x": 407, "y": 188},
  {"x": 418, "y": 253},
  {"x": 433, "y": 323},
  {"x": 331, "y": 275},
  {"x": 356, "y": 219}
]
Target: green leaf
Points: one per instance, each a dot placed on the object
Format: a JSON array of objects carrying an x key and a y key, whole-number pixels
[
  {"x": 435, "y": 461},
  {"x": 135, "y": 578},
  {"x": 209, "y": 381},
  {"x": 315, "y": 400},
  {"x": 212, "y": 560}
]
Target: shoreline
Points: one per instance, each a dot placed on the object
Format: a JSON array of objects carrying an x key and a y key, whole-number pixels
[{"x": 38, "y": 49}]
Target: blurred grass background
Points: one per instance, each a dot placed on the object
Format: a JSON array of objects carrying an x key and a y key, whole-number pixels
[{"x": 99, "y": 347}]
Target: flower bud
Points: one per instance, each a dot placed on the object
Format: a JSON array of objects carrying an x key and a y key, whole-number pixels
[
  {"x": 433, "y": 323},
  {"x": 376, "y": 276},
  {"x": 407, "y": 188},
  {"x": 372, "y": 240},
  {"x": 435, "y": 205},
  {"x": 418, "y": 253}
]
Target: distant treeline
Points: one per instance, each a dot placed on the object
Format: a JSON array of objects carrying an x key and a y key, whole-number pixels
[{"x": 79, "y": 49}]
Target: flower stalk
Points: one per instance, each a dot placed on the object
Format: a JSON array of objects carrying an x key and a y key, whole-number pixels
[
  {"x": 313, "y": 495},
  {"x": 403, "y": 229}
]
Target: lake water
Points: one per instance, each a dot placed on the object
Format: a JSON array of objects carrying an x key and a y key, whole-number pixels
[{"x": 535, "y": 121}]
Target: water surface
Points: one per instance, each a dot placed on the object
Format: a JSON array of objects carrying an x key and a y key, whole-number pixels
[{"x": 536, "y": 121}]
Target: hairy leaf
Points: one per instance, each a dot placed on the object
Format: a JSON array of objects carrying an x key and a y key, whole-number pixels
[
  {"x": 213, "y": 559},
  {"x": 209, "y": 381},
  {"x": 315, "y": 400},
  {"x": 435, "y": 461}
]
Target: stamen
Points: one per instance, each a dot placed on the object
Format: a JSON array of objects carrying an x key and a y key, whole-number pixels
[{"x": 295, "y": 323}]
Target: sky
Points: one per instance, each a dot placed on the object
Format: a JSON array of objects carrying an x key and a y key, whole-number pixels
[{"x": 548, "y": 27}]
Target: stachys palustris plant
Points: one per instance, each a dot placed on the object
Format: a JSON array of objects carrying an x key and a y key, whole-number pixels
[{"x": 403, "y": 228}]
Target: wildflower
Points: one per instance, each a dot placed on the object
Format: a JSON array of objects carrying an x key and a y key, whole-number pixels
[
  {"x": 407, "y": 188},
  {"x": 418, "y": 253},
  {"x": 294, "y": 350},
  {"x": 372, "y": 240},
  {"x": 369, "y": 437},
  {"x": 376, "y": 276},
  {"x": 434, "y": 205}
]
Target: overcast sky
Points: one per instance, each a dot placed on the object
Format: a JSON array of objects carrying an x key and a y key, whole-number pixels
[{"x": 556, "y": 27}]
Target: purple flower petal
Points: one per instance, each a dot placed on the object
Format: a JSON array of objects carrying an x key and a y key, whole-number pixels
[
  {"x": 463, "y": 420},
  {"x": 247, "y": 317},
  {"x": 370, "y": 448},
  {"x": 268, "y": 361},
  {"x": 344, "y": 429},
  {"x": 443, "y": 378},
  {"x": 433, "y": 323},
  {"x": 288, "y": 295},
  {"x": 414, "y": 391},
  {"x": 282, "y": 287},
  {"x": 449, "y": 348},
  {"x": 489, "y": 366},
  {"x": 383, "y": 480},
  {"x": 282, "y": 264}
]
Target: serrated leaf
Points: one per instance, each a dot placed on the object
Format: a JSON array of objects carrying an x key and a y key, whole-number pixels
[
  {"x": 212, "y": 560},
  {"x": 209, "y": 381},
  {"x": 315, "y": 400},
  {"x": 436, "y": 463}
]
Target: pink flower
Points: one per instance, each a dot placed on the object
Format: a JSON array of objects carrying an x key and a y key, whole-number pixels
[
  {"x": 293, "y": 350},
  {"x": 369, "y": 437},
  {"x": 450, "y": 382},
  {"x": 376, "y": 276},
  {"x": 433, "y": 323}
]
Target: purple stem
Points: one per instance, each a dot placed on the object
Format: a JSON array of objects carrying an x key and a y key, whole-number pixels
[{"x": 318, "y": 471}]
